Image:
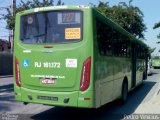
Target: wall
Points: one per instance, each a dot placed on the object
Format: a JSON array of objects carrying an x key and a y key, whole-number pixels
[
  {"x": 6, "y": 63},
  {"x": 5, "y": 45}
]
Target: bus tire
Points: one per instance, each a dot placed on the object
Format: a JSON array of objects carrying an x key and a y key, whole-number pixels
[{"x": 124, "y": 93}]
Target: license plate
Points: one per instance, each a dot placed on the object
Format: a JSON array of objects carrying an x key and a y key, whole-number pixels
[
  {"x": 47, "y": 81},
  {"x": 48, "y": 98}
]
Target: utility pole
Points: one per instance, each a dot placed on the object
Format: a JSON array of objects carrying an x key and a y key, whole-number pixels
[{"x": 11, "y": 33}]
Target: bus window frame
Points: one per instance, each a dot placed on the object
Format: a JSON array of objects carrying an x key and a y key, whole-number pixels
[{"x": 75, "y": 41}]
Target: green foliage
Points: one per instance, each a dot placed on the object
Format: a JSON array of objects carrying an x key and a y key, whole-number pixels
[
  {"x": 151, "y": 50},
  {"x": 25, "y": 6},
  {"x": 157, "y": 25},
  {"x": 158, "y": 36},
  {"x": 128, "y": 16}
]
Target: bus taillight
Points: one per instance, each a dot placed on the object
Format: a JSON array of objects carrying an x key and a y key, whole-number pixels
[
  {"x": 17, "y": 72},
  {"x": 85, "y": 75}
]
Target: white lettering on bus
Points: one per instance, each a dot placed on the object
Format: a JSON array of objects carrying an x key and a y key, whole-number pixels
[
  {"x": 51, "y": 65},
  {"x": 47, "y": 64},
  {"x": 37, "y": 64},
  {"x": 48, "y": 76}
]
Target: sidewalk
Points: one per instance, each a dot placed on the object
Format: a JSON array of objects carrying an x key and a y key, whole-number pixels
[
  {"x": 5, "y": 76},
  {"x": 152, "y": 106},
  {"x": 5, "y": 80}
]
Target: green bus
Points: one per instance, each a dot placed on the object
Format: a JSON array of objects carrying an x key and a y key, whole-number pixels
[
  {"x": 155, "y": 61},
  {"x": 74, "y": 56}
]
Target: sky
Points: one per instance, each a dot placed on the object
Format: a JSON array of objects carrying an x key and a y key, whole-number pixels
[{"x": 150, "y": 9}]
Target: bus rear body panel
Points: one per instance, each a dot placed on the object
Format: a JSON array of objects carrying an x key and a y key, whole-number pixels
[
  {"x": 41, "y": 70},
  {"x": 50, "y": 69}
]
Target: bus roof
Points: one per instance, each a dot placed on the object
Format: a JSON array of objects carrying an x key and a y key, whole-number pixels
[{"x": 63, "y": 7}]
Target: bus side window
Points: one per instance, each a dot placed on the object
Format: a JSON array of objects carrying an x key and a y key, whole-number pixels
[
  {"x": 121, "y": 46},
  {"x": 116, "y": 43},
  {"x": 104, "y": 38},
  {"x": 126, "y": 48}
]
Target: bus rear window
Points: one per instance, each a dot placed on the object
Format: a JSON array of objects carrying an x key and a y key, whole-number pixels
[{"x": 52, "y": 27}]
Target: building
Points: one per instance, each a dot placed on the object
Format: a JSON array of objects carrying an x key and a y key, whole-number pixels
[{"x": 5, "y": 45}]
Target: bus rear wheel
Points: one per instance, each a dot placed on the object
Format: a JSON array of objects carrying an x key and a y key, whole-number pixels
[{"x": 124, "y": 93}]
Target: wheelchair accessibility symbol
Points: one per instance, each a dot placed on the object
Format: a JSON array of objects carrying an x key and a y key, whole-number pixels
[{"x": 25, "y": 63}]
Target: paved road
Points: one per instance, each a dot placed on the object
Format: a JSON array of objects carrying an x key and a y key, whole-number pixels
[{"x": 141, "y": 100}]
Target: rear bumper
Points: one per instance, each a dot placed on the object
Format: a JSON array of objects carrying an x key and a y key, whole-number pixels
[{"x": 70, "y": 99}]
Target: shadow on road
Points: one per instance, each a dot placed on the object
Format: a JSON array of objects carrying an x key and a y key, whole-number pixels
[
  {"x": 6, "y": 92},
  {"x": 111, "y": 111},
  {"x": 154, "y": 73},
  {"x": 6, "y": 88},
  {"x": 6, "y": 97}
]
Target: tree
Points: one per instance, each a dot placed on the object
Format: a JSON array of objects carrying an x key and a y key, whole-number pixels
[
  {"x": 27, "y": 5},
  {"x": 157, "y": 25},
  {"x": 128, "y": 16},
  {"x": 151, "y": 50}
]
